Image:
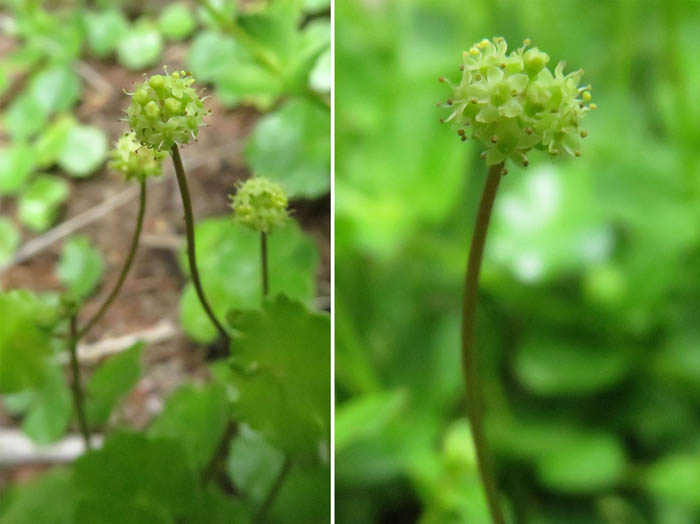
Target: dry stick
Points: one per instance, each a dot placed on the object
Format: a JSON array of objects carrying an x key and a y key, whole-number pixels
[
  {"x": 127, "y": 264},
  {"x": 274, "y": 490},
  {"x": 189, "y": 229},
  {"x": 76, "y": 387},
  {"x": 469, "y": 365}
]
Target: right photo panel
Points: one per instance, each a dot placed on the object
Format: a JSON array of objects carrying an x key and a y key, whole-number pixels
[{"x": 517, "y": 262}]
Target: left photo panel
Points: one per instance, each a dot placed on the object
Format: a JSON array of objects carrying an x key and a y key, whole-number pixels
[{"x": 165, "y": 262}]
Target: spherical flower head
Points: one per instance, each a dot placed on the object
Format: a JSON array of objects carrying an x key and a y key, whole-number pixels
[
  {"x": 166, "y": 110},
  {"x": 513, "y": 102},
  {"x": 260, "y": 204},
  {"x": 134, "y": 160}
]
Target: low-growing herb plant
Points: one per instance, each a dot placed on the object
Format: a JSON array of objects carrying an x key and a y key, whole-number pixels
[{"x": 510, "y": 104}]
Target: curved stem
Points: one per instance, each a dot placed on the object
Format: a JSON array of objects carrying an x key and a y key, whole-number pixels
[
  {"x": 263, "y": 264},
  {"x": 125, "y": 269},
  {"x": 189, "y": 229},
  {"x": 469, "y": 365},
  {"x": 259, "y": 517},
  {"x": 76, "y": 387}
]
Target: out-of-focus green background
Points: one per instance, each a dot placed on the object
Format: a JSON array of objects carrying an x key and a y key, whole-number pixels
[{"x": 589, "y": 319}]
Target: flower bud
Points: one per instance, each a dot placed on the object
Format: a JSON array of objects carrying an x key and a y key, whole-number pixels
[
  {"x": 260, "y": 204},
  {"x": 134, "y": 160},
  {"x": 166, "y": 110},
  {"x": 513, "y": 102}
]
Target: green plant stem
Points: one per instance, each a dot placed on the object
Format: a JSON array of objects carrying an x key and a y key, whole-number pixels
[
  {"x": 76, "y": 387},
  {"x": 263, "y": 264},
  {"x": 189, "y": 229},
  {"x": 259, "y": 517},
  {"x": 469, "y": 363},
  {"x": 125, "y": 269}
]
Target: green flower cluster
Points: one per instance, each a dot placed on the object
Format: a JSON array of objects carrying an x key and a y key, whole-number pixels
[
  {"x": 134, "y": 160},
  {"x": 166, "y": 110},
  {"x": 260, "y": 204},
  {"x": 513, "y": 102}
]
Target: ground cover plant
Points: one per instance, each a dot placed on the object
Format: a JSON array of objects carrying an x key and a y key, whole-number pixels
[
  {"x": 224, "y": 415},
  {"x": 587, "y": 317}
]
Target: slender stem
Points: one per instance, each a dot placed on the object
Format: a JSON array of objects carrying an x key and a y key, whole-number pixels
[
  {"x": 274, "y": 491},
  {"x": 263, "y": 262},
  {"x": 125, "y": 269},
  {"x": 76, "y": 387},
  {"x": 469, "y": 364},
  {"x": 189, "y": 229}
]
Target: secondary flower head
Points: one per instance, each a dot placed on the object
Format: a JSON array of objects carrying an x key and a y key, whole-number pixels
[
  {"x": 513, "y": 102},
  {"x": 260, "y": 204},
  {"x": 166, "y": 110},
  {"x": 134, "y": 160}
]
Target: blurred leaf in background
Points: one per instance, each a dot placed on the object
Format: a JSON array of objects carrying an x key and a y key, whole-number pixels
[{"x": 587, "y": 329}]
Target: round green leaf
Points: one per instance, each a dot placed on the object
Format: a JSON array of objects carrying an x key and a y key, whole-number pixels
[
  {"x": 9, "y": 240},
  {"x": 550, "y": 366},
  {"x": 49, "y": 144},
  {"x": 40, "y": 201},
  {"x": 228, "y": 257},
  {"x": 83, "y": 151},
  {"x": 104, "y": 30},
  {"x": 675, "y": 478},
  {"x": 292, "y": 146},
  {"x": 80, "y": 267},
  {"x": 141, "y": 46},
  {"x": 56, "y": 89},
  {"x": 16, "y": 164},
  {"x": 582, "y": 464},
  {"x": 176, "y": 21}
]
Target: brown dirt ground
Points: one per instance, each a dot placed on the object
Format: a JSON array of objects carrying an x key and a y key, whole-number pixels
[{"x": 152, "y": 291}]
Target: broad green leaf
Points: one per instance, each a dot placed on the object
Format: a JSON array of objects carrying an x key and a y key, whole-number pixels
[
  {"x": 84, "y": 150},
  {"x": 228, "y": 257},
  {"x": 137, "y": 480},
  {"x": 40, "y": 201},
  {"x": 238, "y": 77},
  {"x": 675, "y": 478},
  {"x": 320, "y": 76},
  {"x": 111, "y": 383},
  {"x": 141, "y": 46},
  {"x": 9, "y": 240},
  {"x": 316, "y": 5},
  {"x": 556, "y": 366},
  {"x": 16, "y": 164},
  {"x": 304, "y": 496},
  {"x": 253, "y": 464},
  {"x": 314, "y": 40},
  {"x": 176, "y": 21},
  {"x": 281, "y": 359},
  {"x": 292, "y": 146},
  {"x": 48, "y": 499},
  {"x": 56, "y": 89},
  {"x": 50, "y": 409},
  {"x": 24, "y": 340},
  {"x": 366, "y": 415},
  {"x": 25, "y": 116},
  {"x": 49, "y": 144},
  {"x": 80, "y": 267},
  {"x": 585, "y": 463},
  {"x": 104, "y": 30},
  {"x": 197, "y": 418},
  {"x": 210, "y": 54},
  {"x": 547, "y": 223}
]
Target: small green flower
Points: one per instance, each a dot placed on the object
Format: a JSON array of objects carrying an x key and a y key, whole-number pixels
[
  {"x": 166, "y": 110},
  {"x": 513, "y": 102},
  {"x": 260, "y": 204},
  {"x": 134, "y": 160}
]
